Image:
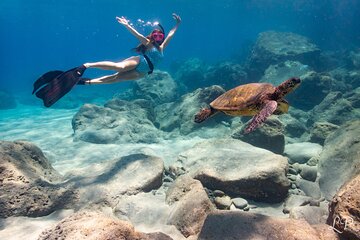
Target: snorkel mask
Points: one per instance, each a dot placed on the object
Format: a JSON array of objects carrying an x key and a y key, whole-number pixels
[{"x": 158, "y": 35}]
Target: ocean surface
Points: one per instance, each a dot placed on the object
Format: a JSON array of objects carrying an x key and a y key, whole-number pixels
[{"x": 42, "y": 35}]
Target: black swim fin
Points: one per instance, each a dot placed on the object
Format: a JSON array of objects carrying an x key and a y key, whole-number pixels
[
  {"x": 58, "y": 86},
  {"x": 45, "y": 79}
]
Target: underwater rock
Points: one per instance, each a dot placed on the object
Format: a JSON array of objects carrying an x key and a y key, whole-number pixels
[
  {"x": 295, "y": 201},
  {"x": 323, "y": 230},
  {"x": 312, "y": 214},
  {"x": 191, "y": 74},
  {"x": 223, "y": 202},
  {"x": 269, "y": 136},
  {"x": 320, "y": 131},
  {"x": 312, "y": 91},
  {"x": 311, "y": 189},
  {"x": 238, "y": 169},
  {"x": 240, "y": 203},
  {"x": 274, "y": 47},
  {"x": 334, "y": 109},
  {"x": 125, "y": 175},
  {"x": 190, "y": 205},
  {"x": 29, "y": 185},
  {"x": 180, "y": 115},
  {"x": 353, "y": 97},
  {"x": 345, "y": 208},
  {"x": 141, "y": 108},
  {"x": 355, "y": 58},
  {"x": 278, "y": 73},
  {"x": 158, "y": 87},
  {"x": 340, "y": 159},
  {"x": 309, "y": 173},
  {"x": 146, "y": 209},
  {"x": 7, "y": 100},
  {"x": 226, "y": 74},
  {"x": 293, "y": 126},
  {"x": 302, "y": 152},
  {"x": 346, "y": 79},
  {"x": 244, "y": 225},
  {"x": 96, "y": 225},
  {"x": 121, "y": 124}
]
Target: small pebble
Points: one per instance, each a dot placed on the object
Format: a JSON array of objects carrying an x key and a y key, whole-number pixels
[
  {"x": 292, "y": 177},
  {"x": 293, "y": 171},
  {"x": 309, "y": 173},
  {"x": 223, "y": 202},
  {"x": 240, "y": 202},
  {"x": 167, "y": 179},
  {"x": 218, "y": 193}
]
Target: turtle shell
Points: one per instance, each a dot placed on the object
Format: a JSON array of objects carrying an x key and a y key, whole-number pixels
[{"x": 245, "y": 100}]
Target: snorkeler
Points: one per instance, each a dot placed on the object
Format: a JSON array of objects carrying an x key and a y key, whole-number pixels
[{"x": 55, "y": 84}]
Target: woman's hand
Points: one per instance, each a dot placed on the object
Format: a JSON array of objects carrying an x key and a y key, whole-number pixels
[
  {"x": 177, "y": 18},
  {"x": 122, "y": 20}
]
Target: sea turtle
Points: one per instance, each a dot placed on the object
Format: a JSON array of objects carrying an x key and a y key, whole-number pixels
[{"x": 254, "y": 99}]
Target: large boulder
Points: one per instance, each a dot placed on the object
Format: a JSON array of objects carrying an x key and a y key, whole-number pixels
[
  {"x": 340, "y": 158},
  {"x": 7, "y": 100},
  {"x": 312, "y": 82},
  {"x": 335, "y": 109},
  {"x": 190, "y": 205},
  {"x": 242, "y": 225},
  {"x": 320, "y": 131},
  {"x": 302, "y": 152},
  {"x": 274, "y": 47},
  {"x": 147, "y": 210},
  {"x": 269, "y": 136},
  {"x": 238, "y": 169},
  {"x": 353, "y": 97},
  {"x": 96, "y": 225},
  {"x": 29, "y": 185},
  {"x": 180, "y": 115},
  {"x": 226, "y": 74},
  {"x": 158, "y": 87},
  {"x": 125, "y": 175},
  {"x": 191, "y": 74},
  {"x": 349, "y": 79},
  {"x": 120, "y": 122},
  {"x": 293, "y": 126},
  {"x": 345, "y": 209},
  {"x": 278, "y": 73}
]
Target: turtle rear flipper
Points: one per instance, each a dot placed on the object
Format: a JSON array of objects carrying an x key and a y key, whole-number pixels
[{"x": 268, "y": 109}]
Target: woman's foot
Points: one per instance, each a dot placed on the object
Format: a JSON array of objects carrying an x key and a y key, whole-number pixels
[{"x": 84, "y": 81}]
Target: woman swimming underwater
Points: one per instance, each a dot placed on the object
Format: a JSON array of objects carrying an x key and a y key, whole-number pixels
[{"x": 54, "y": 85}]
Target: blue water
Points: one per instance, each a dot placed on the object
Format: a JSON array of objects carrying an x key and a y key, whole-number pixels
[{"x": 41, "y": 35}]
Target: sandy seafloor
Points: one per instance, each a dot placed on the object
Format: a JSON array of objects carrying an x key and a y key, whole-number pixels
[{"x": 50, "y": 129}]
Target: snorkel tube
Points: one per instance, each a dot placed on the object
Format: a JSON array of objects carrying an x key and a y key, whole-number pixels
[{"x": 161, "y": 28}]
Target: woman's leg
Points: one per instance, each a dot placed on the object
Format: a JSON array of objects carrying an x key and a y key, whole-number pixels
[
  {"x": 117, "y": 77},
  {"x": 123, "y": 66}
]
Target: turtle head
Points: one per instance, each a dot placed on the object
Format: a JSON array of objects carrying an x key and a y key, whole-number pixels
[
  {"x": 287, "y": 86},
  {"x": 203, "y": 114}
]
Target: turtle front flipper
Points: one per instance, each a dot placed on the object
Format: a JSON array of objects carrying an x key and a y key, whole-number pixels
[{"x": 268, "y": 109}]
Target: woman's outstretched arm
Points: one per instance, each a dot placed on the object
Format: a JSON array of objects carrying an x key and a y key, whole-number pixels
[
  {"x": 172, "y": 31},
  {"x": 123, "y": 21}
]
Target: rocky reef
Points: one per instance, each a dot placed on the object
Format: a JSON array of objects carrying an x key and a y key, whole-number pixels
[{"x": 295, "y": 177}]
